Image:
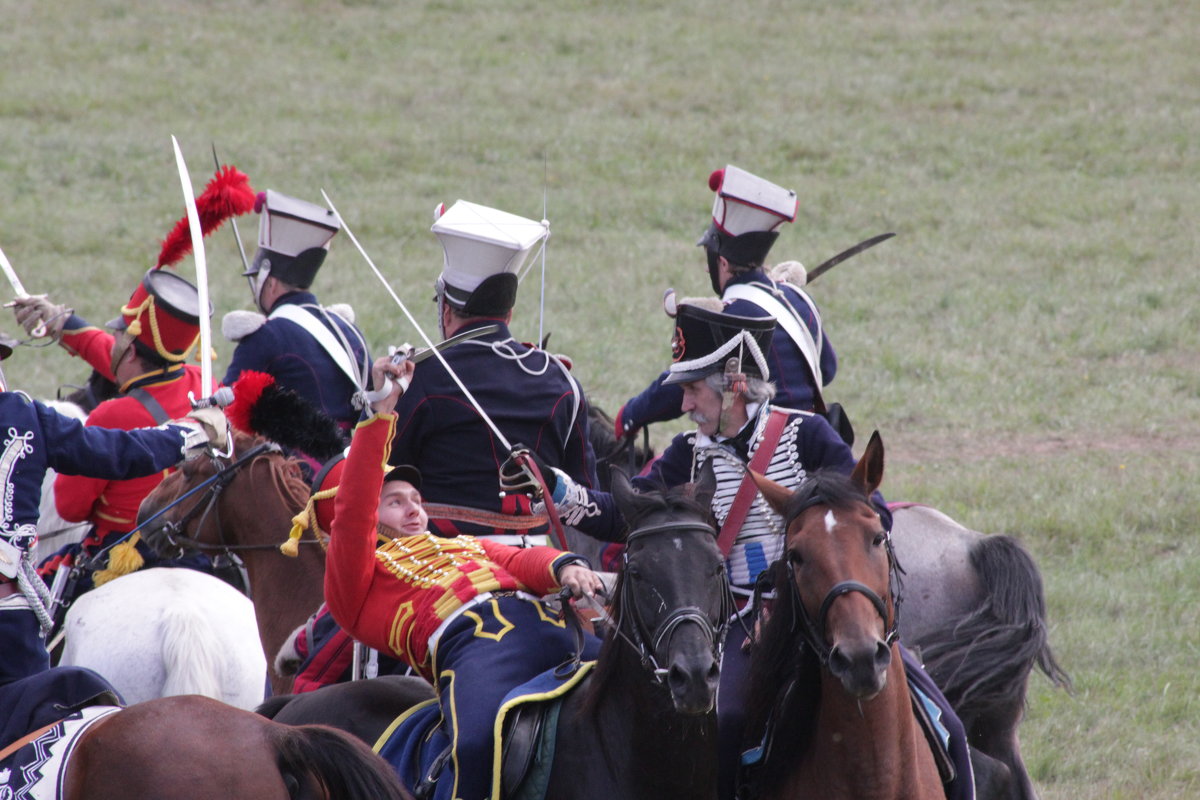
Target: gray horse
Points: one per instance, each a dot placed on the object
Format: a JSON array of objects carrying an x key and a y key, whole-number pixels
[{"x": 975, "y": 611}]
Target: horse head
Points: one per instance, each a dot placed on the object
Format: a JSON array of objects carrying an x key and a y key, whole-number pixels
[
  {"x": 839, "y": 571},
  {"x": 672, "y": 597},
  {"x": 201, "y": 505}
]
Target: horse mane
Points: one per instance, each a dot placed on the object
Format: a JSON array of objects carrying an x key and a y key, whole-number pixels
[
  {"x": 785, "y": 674},
  {"x": 784, "y": 686},
  {"x": 609, "y": 670},
  {"x": 607, "y": 447},
  {"x": 286, "y": 473}
]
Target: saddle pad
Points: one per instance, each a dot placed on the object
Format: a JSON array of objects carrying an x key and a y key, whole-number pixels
[
  {"x": 415, "y": 740},
  {"x": 37, "y": 769}
]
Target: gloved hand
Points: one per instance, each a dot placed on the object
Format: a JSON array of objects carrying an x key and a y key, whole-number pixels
[
  {"x": 37, "y": 310},
  {"x": 516, "y": 479},
  {"x": 207, "y": 428}
]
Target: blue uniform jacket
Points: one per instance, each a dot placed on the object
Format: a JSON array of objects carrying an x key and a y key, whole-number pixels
[
  {"x": 34, "y": 438},
  {"x": 817, "y": 446},
  {"x": 526, "y": 392},
  {"x": 298, "y": 362},
  {"x": 789, "y": 370}
]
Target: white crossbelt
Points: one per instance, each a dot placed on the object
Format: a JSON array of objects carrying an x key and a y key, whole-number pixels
[
  {"x": 787, "y": 320},
  {"x": 324, "y": 337}
]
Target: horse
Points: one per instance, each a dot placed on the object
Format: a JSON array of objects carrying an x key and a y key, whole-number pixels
[
  {"x": 199, "y": 748},
  {"x": 975, "y": 610},
  {"x": 827, "y": 683},
  {"x": 160, "y": 632},
  {"x": 241, "y": 508},
  {"x": 655, "y": 678}
]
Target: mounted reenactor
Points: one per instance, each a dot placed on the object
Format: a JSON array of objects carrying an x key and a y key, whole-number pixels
[
  {"x": 145, "y": 351},
  {"x": 720, "y": 365},
  {"x": 521, "y": 394},
  {"x": 445, "y": 604},
  {"x": 314, "y": 350},
  {"x": 746, "y": 216},
  {"x": 37, "y": 438}
]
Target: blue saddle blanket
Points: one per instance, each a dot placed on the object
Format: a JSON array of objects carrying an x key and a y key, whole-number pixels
[{"x": 415, "y": 741}]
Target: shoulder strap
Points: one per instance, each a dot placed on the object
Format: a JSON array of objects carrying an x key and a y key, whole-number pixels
[
  {"x": 787, "y": 318},
  {"x": 151, "y": 405},
  {"x": 747, "y": 490},
  {"x": 323, "y": 336}
]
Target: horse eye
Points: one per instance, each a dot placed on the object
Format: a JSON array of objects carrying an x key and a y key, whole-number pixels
[
  {"x": 719, "y": 570},
  {"x": 794, "y": 558},
  {"x": 880, "y": 538}
]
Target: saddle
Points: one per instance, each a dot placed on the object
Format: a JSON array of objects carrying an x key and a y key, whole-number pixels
[{"x": 418, "y": 746}]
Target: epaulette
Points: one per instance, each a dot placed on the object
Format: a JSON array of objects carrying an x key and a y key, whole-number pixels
[
  {"x": 343, "y": 310},
  {"x": 237, "y": 325}
]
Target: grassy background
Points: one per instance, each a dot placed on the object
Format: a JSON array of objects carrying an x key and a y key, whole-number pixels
[{"x": 1027, "y": 344}]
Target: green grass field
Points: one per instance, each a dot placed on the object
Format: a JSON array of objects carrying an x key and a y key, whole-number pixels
[{"x": 1027, "y": 344}]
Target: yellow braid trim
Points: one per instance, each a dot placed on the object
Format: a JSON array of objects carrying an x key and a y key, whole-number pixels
[{"x": 123, "y": 559}]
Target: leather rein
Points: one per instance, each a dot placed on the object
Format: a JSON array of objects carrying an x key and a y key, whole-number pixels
[{"x": 174, "y": 531}]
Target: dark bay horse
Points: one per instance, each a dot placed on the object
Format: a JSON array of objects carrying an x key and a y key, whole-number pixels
[
  {"x": 642, "y": 724},
  {"x": 242, "y": 508},
  {"x": 201, "y": 749},
  {"x": 827, "y": 680}
]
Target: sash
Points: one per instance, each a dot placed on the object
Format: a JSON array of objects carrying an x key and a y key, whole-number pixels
[
  {"x": 336, "y": 350},
  {"x": 787, "y": 318},
  {"x": 747, "y": 490}
]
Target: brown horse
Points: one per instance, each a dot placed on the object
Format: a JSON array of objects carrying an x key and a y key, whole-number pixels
[
  {"x": 240, "y": 508},
  {"x": 197, "y": 748},
  {"x": 828, "y": 672}
]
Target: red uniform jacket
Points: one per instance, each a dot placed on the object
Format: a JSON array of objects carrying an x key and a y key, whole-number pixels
[
  {"x": 394, "y": 597},
  {"x": 113, "y": 505}
]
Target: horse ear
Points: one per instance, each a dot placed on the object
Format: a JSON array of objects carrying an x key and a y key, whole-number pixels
[
  {"x": 776, "y": 494},
  {"x": 622, "y": 490},
  {"x": 705, "y": 486},
  {"x": 868, "y": 472}
]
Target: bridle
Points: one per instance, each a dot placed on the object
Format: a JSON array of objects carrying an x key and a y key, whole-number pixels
[
  {"x": 646, "y": 642},
  {"x": 174, "y": 531},
  {"x": 813, "y": 630}
]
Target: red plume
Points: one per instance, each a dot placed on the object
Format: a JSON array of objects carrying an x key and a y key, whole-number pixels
[
  {"x": 227, "y": 195},
  {"x": 247, "y": 391}
]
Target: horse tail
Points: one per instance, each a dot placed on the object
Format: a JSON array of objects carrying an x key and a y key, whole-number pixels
[
  {"x": 191, "y": 653},
  {"x": 985, "y": 660},
  {"x": 319, "y": 762}
]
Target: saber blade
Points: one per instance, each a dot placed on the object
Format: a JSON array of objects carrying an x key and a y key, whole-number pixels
[
  {"x": 824, "y": 267},
  {"x": 428, "y": 342},
  {"x": 18, "y": 288},
  {"x": 193, "y": 216}
]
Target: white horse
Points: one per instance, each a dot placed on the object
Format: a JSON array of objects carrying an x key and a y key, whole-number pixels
[{"x": 160, "y": 632}]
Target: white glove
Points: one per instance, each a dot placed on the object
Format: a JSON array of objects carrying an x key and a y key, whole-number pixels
[
  {"x": 37, "y": 310},
  {"x": 206, "y": 428}
]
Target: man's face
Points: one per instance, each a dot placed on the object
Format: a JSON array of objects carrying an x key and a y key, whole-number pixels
[
  {"x": 400, "y": 508},
  {"x": 702, "y": 404}
]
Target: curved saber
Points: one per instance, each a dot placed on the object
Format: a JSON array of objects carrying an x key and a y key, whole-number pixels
[
  {"x": 825, "y": 266},
  {"x": 428, "y": 342},
  {"x": 18, "y": 288},
  {"x": 193, "y": 216}
]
